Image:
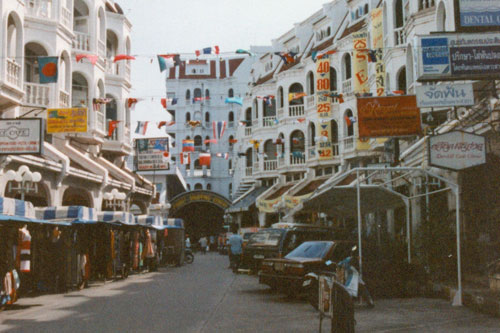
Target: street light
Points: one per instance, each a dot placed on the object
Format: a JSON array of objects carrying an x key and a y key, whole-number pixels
[
  {"x": 25, "y": 179},
  {"x": 114, "y": 199}
]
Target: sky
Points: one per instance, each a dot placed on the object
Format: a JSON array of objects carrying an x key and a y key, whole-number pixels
[{"x": 167, "y": 26}]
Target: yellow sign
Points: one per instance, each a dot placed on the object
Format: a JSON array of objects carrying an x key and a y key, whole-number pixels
[
  {"x": 323, "y": 103},
  {"x": 360, "y": 62},
  {"x": 267, "y": 206},
  {"x": 71, "y": 120},
  {"x": 323, "y": 144},
  {"x": 199, "y": 197},
  {"x": 291, "y": 201},
  {"x": 378, "y": 46}
]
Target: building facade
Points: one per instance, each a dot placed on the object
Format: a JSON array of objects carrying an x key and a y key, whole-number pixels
[{"x": 77, "y": 168}]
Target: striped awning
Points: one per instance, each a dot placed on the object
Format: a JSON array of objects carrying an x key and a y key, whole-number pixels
[
  {"x": 75, "y": 214},
  {"x": 121, "y": 217},
  {"x": 148, "y": 220},
  {"x": 174, "y": 223},
  {"x": 14, "y": 207}
]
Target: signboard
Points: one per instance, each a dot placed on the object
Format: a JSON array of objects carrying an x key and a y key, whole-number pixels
[
  {"x": 69, "y": 120},
  {"x": 152, "y": 154},
  {"x": 267, "y": 206},
  {"x": 459, "y": 57},
  {"x": 441, "y": 95},
  {"x": 360, "y": 62},
  {"x": 198, "y": 196},
  {"x": 21, "y": 136},
  {"x": 388, "y": 116},
  {"x": 323, "y": 103},
  {"x": 378, "y": 46},
  {"x": 324, "y": 144},
  {"x": 477, "y": 15},
  {"x": 456, "y": 150}
]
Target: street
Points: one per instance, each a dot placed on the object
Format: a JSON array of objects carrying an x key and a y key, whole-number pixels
[{"x": 207, "y": 297}]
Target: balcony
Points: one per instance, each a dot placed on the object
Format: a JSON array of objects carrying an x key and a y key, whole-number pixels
[
  {"x": 296, "y": 159},
  {"x": 248, "y": 171},
  {"x": 81, "y": 42},
  {"x": 349, "y": 144},
  {"x": 269, "y": 121},
  {"x": 66, "y": 18},
  {"x": 112, "y": 67},
  {"x": 248, "y": 131},
  {"x": 256, "y": 167},
  {"x": 296, "y": 110},
  {"x": 119, "y": 141},
  {"x": 41, "y": 9},
  {"x": 347, "y": 87},
  {"x": 13, "y": 73},
  {"x": 399, "y": 36},
  {"x": 270, "y": 165},
  {"x": 281, "y": 112},
  {"x": 36, "y": 94},
  {"x": 311, "y": 152},
  {"x": 425, "y": 4},
  {"x": 63, "y": 99}
]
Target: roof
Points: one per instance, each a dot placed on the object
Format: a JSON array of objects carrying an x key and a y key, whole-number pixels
[
  {"x": 311, "y": 186},
  {"x": 279, "y": 192},
  {"x": 265, "y": 78},
  {"x": 248, "y": 200},
  {"x": 353, "y": 28}
]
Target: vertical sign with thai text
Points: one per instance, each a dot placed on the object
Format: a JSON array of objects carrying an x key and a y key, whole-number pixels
[
  {"x": 360, "y": 63},
  {"x": 378, "y": 46},
  {"x": 324, "y": 143},
  {"x": 324, "y": 108}
]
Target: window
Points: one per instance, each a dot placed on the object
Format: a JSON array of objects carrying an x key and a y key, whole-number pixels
[
  {"x": 209, "y": 187},
  {"x": 347, "y": 67},
  {"x": 230, "y": 164},
  {"x": 207, "y": 117},
  {"x": 231, "y": 117},
  {"x": 333, "y": 79},
  {"x": 280, "y": 96},
  {"x": 197, "y": 141},
  {"x": 231, "y": 138},
  {"x": 349, "y": 126},
  {"x": 188, "y": 117},
  {"x": 398, "y": 14},
  {"x": 197, "y": 165},
  {"x": 207, "y": 142},
  {"x": 198, "y": 186},
  {"x": 207, "y": 93},
  {"x": 230, "y": 93},
  {"x": 189, "y": 187},
  {"x": 402, "y": 79},
  {"x": 197, "y": 93},
  {"x": 188, "y": 94},
  {"x": 310, "y": 83}
]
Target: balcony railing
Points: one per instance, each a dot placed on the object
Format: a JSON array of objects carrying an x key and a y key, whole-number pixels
[
  {"x": 248, "y": 171},
  {"x": 126, "y": 135},
  {"x": 281, "y": 112},
  {"x": 81, "y": 42},
  {"x": 13, "y": 73},
  {"x": 310, "y": 101},
  {"x": 399, "y": 36},
  {"x": 101, "y": 49},
  {"x": 63, "y": 99},
  {"x": 39, "y": 8},
  {"x": 248, "y": 131},
  {"x": 335, "y": 149},
  {"x": 347, "y": 87},
  {"x": 425, "y": 4},
  {"x": 99, "y": 121},
  {"x": 295, "y": 159},
  {"x": 296, "y": 110},
  {"x": 270, "y": 165},
  {"x": 36, "y": 94},
  {"x": 112, "y": 67},
  {"x": 269, "y": 121},
  {"x": 127, "y": 71},
  {"x": 66, "y": 17},
  {"x": 256, "y": 167},
  {"x": 281, "y": 160},
  {"x": 349, "y": 143}
]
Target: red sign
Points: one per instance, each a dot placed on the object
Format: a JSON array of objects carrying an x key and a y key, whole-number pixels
[{"x": 388, "y": 116}]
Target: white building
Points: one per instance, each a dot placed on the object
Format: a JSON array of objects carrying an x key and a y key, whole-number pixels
[{"x": 76, "y": 168}]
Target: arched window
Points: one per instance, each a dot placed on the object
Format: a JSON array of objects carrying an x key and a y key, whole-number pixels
[
  {"x": 207, "y": 142},
  {"x": 270, "y": 150},
  {"x": 230, "y": 164},
  {"x": 209, "y": 187},
  {"x": 249, "y": 157},
  {"x": 402, "y": 79},
  {"x": 312, "y": 133},
  {"x": 197, "y": 93},
  {"x": 349, "y": 127},
  {"x": 231, "y": 117},
  {"x": 297, "y": 142},
  {"x": 188, "y": 94},
  {"x": 346, "y": 70},
  {"x": 334, "y": 131},
  {"x": 188, "y": 117},
  {"x": 207, "y": 94},
  {"x": 398, "y": 14},
  {"x": 207, "y": 117},
  {"x": 230, "y": 190},
  {"x": 198, "y": 186},
  {"x": 197, "y": 165},
  {"x": 231, "y": 138},
  {"x": 189, "y": 187},
  {"x": 333, "y": 79},
  {"x": 248, "y": 117},
  {"x": 310, "y": 83},
  {"x": 366, "y": 9},
  {"x": 197, "y": 141},
  {"x": 296, "y": 88},
  {"x": 255, "y": 106},
  {"x": 280, "y": 97},
  {"x": 230, "y": 92},
  {"x": 280, "y": 144}
]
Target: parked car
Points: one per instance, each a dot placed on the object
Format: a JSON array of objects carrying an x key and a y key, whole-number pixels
[
  {"x": 278, "y": 242},
  {"x": 288, "y": 273}
]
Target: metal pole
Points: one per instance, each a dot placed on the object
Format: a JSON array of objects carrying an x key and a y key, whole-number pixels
[
  {"x": 408, "y": 238},
  {"x": 458, "y": 301},
  {"x": 359, "y": 226}
]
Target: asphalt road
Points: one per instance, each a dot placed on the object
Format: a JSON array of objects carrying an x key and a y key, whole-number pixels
[{"x": 208, "y": 297}]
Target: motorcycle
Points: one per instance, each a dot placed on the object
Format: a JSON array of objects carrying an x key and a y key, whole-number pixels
[
  {"x": 345, "y": 274},
  {"x": 188, "y": 255}
]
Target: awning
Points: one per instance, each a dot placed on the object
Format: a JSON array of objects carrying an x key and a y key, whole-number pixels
[
  {"x": 173, "y": 223},
  {"x": 6, "y": 219},
  {"x": 120, "y": 217},
  {"x": 247, "y": 200},
  {"x": 292, "y": 200},
  {"x": 269, "y": 203},
  {"x": 148, "y": 220},
  {"x": 73, "y": 214},
  {"x": 14, "y": 207}
]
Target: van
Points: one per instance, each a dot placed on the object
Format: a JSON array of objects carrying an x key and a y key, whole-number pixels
[{"x": 280, "y": 239}]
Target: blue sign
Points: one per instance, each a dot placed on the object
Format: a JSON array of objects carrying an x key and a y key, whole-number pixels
[
  {"x": 435, "y": 55},
  {"x": 479, "y": 13}
]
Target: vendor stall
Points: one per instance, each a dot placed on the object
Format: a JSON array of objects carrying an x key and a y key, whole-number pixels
[{"x": 174, "y": 242}]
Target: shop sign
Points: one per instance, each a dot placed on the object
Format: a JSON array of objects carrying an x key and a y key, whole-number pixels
[
  {"x": 21, "y": 136},
  {"x": 474, "y": 14},
  {"x": 378, "y": 46},
  {"x": 267, "y": 206},
  {"x": 392, "y": 116},
  {"x": 471, "y": 56},
  {"x": 195, "y": 196},
  {"x": 323, "y": 103},
  {"x": 360, "y": 62},
  {"x": 443, "y": 95},
  {"x": 152, "y": 154},
  {"x": 67, "y": 120},
  {"x": 456, "y": 150},
  {"x": 323, "y": 144}
]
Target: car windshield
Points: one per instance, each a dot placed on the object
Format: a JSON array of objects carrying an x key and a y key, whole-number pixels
[
  {"x": 310, "y": 250},
  {"x": 266, "y": 237}
]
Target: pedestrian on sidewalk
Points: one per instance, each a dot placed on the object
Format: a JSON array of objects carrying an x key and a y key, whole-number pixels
[
  {"x": 235, "y": 248},
  {"x": 203, "y": 244}
]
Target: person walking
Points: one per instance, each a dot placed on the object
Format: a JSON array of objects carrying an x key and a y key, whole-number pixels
[
  {"x": 235, "y": 248},
  {"x": 203, "y": 244}
]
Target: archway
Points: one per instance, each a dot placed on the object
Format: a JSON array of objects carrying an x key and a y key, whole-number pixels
[{"x": 77, "y": 197}]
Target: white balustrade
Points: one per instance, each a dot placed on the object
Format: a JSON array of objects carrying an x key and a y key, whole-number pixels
[
  {"x": 248, "y": 171},
  {"x": 281, "y": 160},
  {"x": 256, "y": 166},
  {"x": 335, "y": 149},
  {"x": 426, "y": 4},
  {"x": 248, "y": 131},
  {"x": 399, "y": 36},
  {"x": 310, "y": 101},
  {"x": 347, "y": 87},
  {"x": 296, "y": 110},
  {"x": 66, "y": 17},
  {"x": 349, "y": 143},
  {"x": 39, "y": 8},
  {"x": 270, "y": 165},
  {"x": 100, "y": 122},
  {"x": 280, "y": 112},
  {"x": 101, "y": 49},
  {"x": 269, "y": 121},
  {"x": 311, "y": 152},
  {"x": 63, "y": 99},
  {"x": 13, "y": 72},
  {"x": 36, "y": 94},
  {"x": 297, "y": 159},
  {"x": 81, "y": 42}
]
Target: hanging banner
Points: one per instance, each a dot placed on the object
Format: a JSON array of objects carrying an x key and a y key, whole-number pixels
[
  {"x": 378, "y": 46},
  {"x": 152, "y": 154},
  {"x": 323, "y": 144},
  {"x": 69, "y": 120},
  {"x": 293, "y": 201},
  {"x": 323, "y": 103},
  {"x": 267, "y": 206},
  {"x": 360, "y": 62}
]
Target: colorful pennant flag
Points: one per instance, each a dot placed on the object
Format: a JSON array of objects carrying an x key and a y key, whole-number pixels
[
  {"x": 164, "y": 103},
  {"x": 119, "y": 57},
  {"x": 209, "y": 141},
  {"x": 372, "y": 55},
  {"x": 194, "y": 123},
  {"x": 287, "y": 57},
  {"x": 293, "y": 96},
  {"x": 161, "y": 124},
  {"x": 218, "y": 128},
  {"x": 314, "y": 55},
  {"x": 349, "y": 120},
  {"x": 208, "y": 50},
  {"x": 112, "y": 126},
  {"x": 97, "y": 102},
  {"x": 142, "y": 127},
  {"x": 131, "y": 102},
  {"x": 234, "y": 100},
  {"x": 91, "y": 57},
  {"x": 187, "y": 145},
  {"x": 339, "y": 97},
  {"x": 47, "y": 68},
  {"x": 223, "y": 155},
  {"x": 205, "y": 159},
  {"x": 320, "y": 56},
  {"x": 185, "y": 158},
  {"x": 168, "y": 60},
  {"x": 241, "y": 51},
  {"x": 233, "y": 141}
]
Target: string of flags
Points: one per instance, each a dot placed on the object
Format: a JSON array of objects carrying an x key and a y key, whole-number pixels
[{"x": 208, "y": 50}]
